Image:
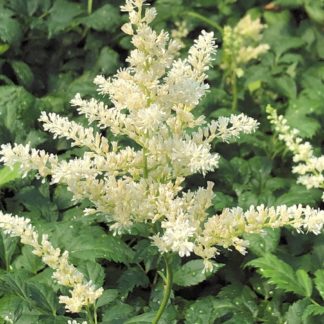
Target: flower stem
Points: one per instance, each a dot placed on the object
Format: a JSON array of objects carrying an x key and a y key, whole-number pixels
[
  {"x": 90, "y": 3},
  {"x": 145, "y": 168},
  {"x": 205, "y": 20},
  {"x": 167, "y": 290},
  {"x": 234, "y": 92},
  {"x": 89, "y": 315}
]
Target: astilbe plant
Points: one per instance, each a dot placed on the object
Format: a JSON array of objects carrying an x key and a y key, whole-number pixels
[{"x": 152, "y": 105}]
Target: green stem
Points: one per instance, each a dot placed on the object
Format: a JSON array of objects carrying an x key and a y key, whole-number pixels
[
  {"x": 90, "y": 3},
  {"x": 205, "y": 20},
  {"x": 89, "y": 315},
  {"x": 95, "y": 314},
  {"x": 167, "y": 290},
  {"x": 234, "y": 92},
  {"x": 145, "y": 168}
]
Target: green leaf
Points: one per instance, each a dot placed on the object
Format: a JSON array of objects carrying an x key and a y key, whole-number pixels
[
  {"x": 23, "y": 73},
  {"x": 319, "y": 282},
  {"x": 4, "y": 48},
  {"x": 305, "y": 281},
  {"x": 281, "y": 274},
  {"x": 191, "y": 273},
  {"x": 296, "y": 311},
  {"x": 221, "y": 201},
  {"x": 44, "y": 297},
  {"x": 315, "y": 11},
  {"x": 285, "y": 86},
  {"x": 298, "y": 194},
  {"x": 108, "y": 61},
  {"x": 37, "y": 203},
  {"x": 143, "y": 318},
  {"x": 131, "y": 278},
  {"x": 18, "y": 111},
  {"x": 61, "y": 16},
  {"x": 296, "y": 113},
  {"x": 28, "y": 261},
  {"x": 10, "y": 29},
  {"x": 89, "y": 243},
  {"x": 8, "y": 247},
  {"x": 265, "y": 242},
  {"x": 286, "y": 43},
  {"x": 117, "y": 313},
  {"x": 106, "y": 18},
  {"x": 15, "y": 282},
  {"x": 93, "y": 272},
  {"x": 206, "y": 310},
  {"x": 108, "y": 296},
  {"x": 11, "y": 305},
  {"x": 243, "y": 299},
  {"x": 313, "y": 310},
  {"x": 289, "y": 3},
  {"x": 8, "y": 174}
]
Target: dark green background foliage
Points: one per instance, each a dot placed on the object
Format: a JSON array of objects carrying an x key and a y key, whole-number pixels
[{"x": 51, "y": 49}]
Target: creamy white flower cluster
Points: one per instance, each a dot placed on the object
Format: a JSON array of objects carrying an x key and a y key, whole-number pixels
[
  {"x": 82, "y": 293},
  {"x": 153, "y": 99},
  {"x": 226, "y": 230},
  {"x": 310, "y": 169},
  {"x": 239, "y": 44}
]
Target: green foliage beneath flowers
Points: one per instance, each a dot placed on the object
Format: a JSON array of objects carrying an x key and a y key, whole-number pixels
[{"x": 49, "y": 50}]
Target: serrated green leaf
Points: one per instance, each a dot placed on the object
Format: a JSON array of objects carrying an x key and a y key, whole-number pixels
[
  {"x": 37, "y": 203},
  {"x": 313, "y": 310},
  {"x": 28, "y": 260},
  {"x": 131, "y": 278},
  {"x": 117, "y": 313},
  {"x": 285, "y": 85},
  {"x": 91, "y": 243},
  {"x": 206, "y": 310},
  {"x": 108, "y": 247},
  {"x": 15, "y": 282},
  {"x": 279, "y": 273},
  {"x": 93, "y": 272},
  {"x": 191, "y": 273},
  {"x": 108, "y": 296},
  {"x": 61, "y": 16},
  {"x": 299, "y": 194},
  {"x": 305, "y": 281},
  {"x": 43, "y": 297},
  {"x": 295, "y": 312},
  {"x": 265, "y": 242},
  {"x": 106, "y": 18},
  {"x": 243, "y": 300},
  {"x": 10, "y": 305}
]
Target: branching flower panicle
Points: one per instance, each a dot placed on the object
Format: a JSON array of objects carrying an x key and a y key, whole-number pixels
[
  {"x": 309, "y": 168},
  {"x": 152, "y": 99}
]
